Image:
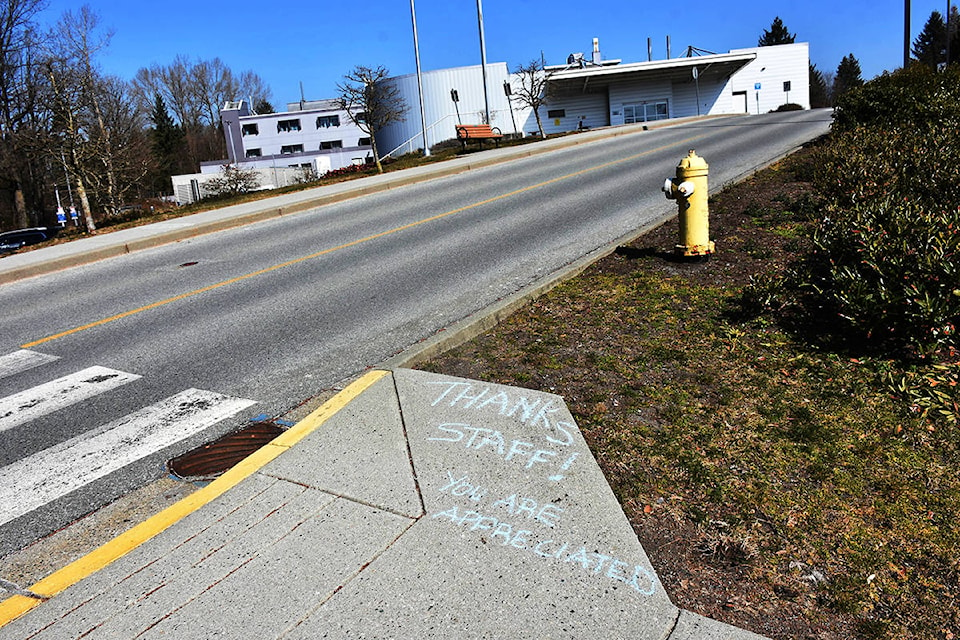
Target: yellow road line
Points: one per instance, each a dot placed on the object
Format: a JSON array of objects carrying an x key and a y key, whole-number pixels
[
  {"x": 15, "y": 606},
  {"x": 212, "y": 287}
]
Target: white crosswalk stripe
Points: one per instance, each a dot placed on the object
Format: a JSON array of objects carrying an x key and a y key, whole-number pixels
[
  {"x": 13, "y": 363},
  {"x": 36, "y": 480},
  {"x": 43, "y": 399}
]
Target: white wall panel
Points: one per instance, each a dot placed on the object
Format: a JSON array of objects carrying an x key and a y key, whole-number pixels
[
  {"x": 772, "y": 67},
  {"x": 439, "y": 109}
]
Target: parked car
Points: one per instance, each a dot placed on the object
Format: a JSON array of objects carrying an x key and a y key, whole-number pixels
[{"x": 13, "y": 240}]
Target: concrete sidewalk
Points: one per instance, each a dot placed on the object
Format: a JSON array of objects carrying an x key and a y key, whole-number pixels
[{"x": 410, "y": 505}]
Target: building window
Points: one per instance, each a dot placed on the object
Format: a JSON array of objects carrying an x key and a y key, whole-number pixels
[
  {"x": 331, "y": 144},
  {"x": 254, "y": 153},
  {"x": 291, "y": 148},
  {"x": 557, "y": 113},
  {"x": 286, "y": 126},
  {"x": 325, "y": 122},
  {"x": 251, "y": 129},
  {"x": 645, "y": 112},
  {"x": 363, "y": 142}
]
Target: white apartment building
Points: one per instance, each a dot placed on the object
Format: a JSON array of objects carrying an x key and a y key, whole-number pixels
[
  {"x": 310, "y": 134},
  {"x": 309, "y": 139}
]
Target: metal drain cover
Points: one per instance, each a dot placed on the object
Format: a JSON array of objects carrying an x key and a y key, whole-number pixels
[{"x": 215, "y": 457}]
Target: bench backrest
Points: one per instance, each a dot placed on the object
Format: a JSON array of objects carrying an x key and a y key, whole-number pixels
[{"x": 475, "y": 131}]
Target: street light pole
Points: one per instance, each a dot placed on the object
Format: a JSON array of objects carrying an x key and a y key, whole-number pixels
[
  {"x": 948, "y": 33},
  {"x": 906, "y": 34},
  {"x": 483, "y": 61},
  {"x": 416, "y": 52}
]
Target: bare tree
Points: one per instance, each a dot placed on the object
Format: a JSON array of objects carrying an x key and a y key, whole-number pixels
[
  {"x": 77, "y": 39},
  {"x": 20, "y": 126},
  {"x": 65, "y": 101},
  {"x": 122, "y": 158},
  {"x": 533, "y": 91},
  {"x": 195, "y": 92},
  {"x": 256, "y": 90},
  {"x": 371, "y": 102}
]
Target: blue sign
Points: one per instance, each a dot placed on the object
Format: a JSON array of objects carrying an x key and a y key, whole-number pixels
[{"x": 757, "y": 86}]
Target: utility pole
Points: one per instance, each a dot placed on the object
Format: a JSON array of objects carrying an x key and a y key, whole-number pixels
[
  {"x": 483, "y": 62},
  {"x": 416, "y": 52},
  {"x": 906, "y": 34},
  {"x": 948, "y": 33}
]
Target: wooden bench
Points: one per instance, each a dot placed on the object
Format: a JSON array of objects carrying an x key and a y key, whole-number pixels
[{"x": 478, "y": 132}]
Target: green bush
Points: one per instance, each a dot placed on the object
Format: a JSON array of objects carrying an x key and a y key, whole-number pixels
[
  {"x": 867, "y": 164},
  {"x": 891, "y": 269},
  {"x": 914, "y": 97},
  {"x": 886, "y": 251}
]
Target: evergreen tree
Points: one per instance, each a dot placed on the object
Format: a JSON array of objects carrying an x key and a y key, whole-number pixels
[
  {"x": 930, "y": 45},
  {"x": 262, "y": 107},
  {"x": 776, "y": 34},
  {"x": 818, "y": 89},
  {"x": 167, "y": 143},
  {"x": 848, "y": 77},
  {"x": 954, "y": 35}
]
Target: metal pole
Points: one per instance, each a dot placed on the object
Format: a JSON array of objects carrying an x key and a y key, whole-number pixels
[
  {"x": 233, "y": 148},
  {"x": 948, "y": 33},
  {"x": 483, "y": 61},
  {"x": 509, "y": 91},
  {"x": 906, "y": 33},
  {"x": 696, "y": 79},
  {"x": 416, "y": 52}
]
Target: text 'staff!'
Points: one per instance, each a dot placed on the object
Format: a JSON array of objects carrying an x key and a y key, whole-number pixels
[{"x": 507, "y": 469}]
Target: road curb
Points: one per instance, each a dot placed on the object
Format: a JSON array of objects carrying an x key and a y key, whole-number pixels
[
  {"x": 17, "y": 605},
  {"x": 485, "y": 319},
  {"x": 183, "y": 228}
]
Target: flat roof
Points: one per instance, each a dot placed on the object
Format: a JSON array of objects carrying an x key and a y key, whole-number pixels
[{"x": 710, "y": 67}]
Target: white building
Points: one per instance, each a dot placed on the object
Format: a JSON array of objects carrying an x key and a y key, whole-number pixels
[
  {"x": 441, "y": 113},
  {"x": 315, "y": 134},
  {"x": 586, "y": 92},
  {"x": 591, "y": 92},
  {"x": 309, "y": 139}
]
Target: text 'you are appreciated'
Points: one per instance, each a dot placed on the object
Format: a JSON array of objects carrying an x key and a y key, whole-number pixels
[{"x": 513, "y": 462}]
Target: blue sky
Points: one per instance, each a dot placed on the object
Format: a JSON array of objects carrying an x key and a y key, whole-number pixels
[{"x": 286, "y": 44}]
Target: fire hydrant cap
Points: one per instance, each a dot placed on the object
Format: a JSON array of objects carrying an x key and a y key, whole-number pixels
[{"x": 692, "y": 166}]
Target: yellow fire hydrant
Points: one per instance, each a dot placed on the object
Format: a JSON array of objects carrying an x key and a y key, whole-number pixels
[{"x": 690, "y": 191}]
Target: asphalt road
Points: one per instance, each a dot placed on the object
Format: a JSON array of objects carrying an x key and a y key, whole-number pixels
[{"x": 276, "y": 311}]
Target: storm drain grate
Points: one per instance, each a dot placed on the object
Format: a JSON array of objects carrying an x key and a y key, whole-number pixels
[{"x": 213, "y": 458}]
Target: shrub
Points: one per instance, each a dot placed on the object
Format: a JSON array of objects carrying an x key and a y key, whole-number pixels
[
  {"x": 790, "y": 106},
  {"x": 891, "y": 269},
  {"x": 912, "y": 97},
  {"x": 886, "y": 254},
  {"x": 231, "y": 181}
]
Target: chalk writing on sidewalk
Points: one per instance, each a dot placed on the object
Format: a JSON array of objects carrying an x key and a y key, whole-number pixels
[
  {"x": 519, "y": 452},
  {"x": 499, "y": 518},
  {"x": 535, "y": 411}
]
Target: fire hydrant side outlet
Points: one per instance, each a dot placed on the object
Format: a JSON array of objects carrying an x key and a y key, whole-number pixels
[{"x": 690, "y": 190}]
